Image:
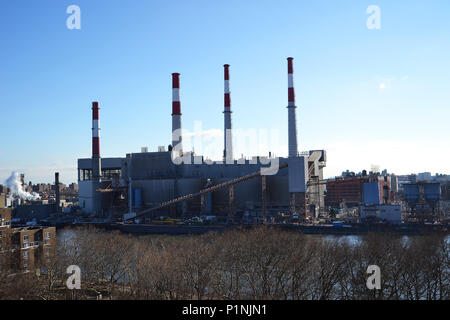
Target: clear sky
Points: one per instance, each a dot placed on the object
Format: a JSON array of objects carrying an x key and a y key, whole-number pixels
[{"x": 369, "y": 97}]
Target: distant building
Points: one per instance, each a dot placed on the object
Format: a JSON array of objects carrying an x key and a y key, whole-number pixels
[
  {"x": 73, "y": 187},
  {"x": 62, "y": 186},
  {"x": 407, "y": 178},
  {"x": 424, "y": 176},
  {"x": 357, "y": 190},
  {"x": 3, "y": 202},
  {"x": 443, "y": 178},
  {"x": 388, "y": 213},
  {"x": 394, "y": 183},
  {"x": 445, "y": 191},
  {"x": 348, "y": 190},
  {"x": 41, "y": 188},
  {"x": 422, "y": 200},
  {"x": 5, "y": 217}
]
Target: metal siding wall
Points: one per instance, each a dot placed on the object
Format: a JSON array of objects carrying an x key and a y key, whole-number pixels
[
  {"x": 298, "y": 174},
  {"x": 156, "y": 191},
  {"x": 188, "y": 186},
  {"x": 371, "y": 193},
  {"x": 85, "y": 196}
]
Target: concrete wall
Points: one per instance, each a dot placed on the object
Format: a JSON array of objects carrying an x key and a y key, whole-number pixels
[{"x": 85, "y": 200}]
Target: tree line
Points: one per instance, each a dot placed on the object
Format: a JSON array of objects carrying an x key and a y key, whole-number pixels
[{"x": 258, "y": 263}]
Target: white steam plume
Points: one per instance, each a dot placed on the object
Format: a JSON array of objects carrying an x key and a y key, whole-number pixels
[{"x": 14, "y": 183}]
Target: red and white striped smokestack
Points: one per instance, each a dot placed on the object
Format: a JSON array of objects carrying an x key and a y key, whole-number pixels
[
  {"x": 95, "y": 130},
  {"x": 96, "y": 161},
  {"x": 292, "y": 122},
  {"x": 291, "y": 92},
  {"x": 176, "y": 105},
  {"x": 176, "y": 114},
  {"x": 227, "y": 98},
  {"x": 228, "y": 137}
]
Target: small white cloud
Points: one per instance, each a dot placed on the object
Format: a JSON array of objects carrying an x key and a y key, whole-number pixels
[{"x": 383, "y": 86}]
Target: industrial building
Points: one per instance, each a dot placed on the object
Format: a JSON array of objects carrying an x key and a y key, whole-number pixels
[
  {"x": 422, "y": 201},
  {"x": 39, "y": 209},
  {"x": 388, "y": 213},
  {"x": 182, "y": 183},
  {"x": 353, "y": 191}
]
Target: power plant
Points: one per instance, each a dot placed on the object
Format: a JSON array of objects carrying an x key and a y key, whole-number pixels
[
  {"x": 180, "y": 183},
  {"x": 175, "y": 186}
]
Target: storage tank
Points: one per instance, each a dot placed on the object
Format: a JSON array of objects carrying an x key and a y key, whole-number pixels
[
  {"x": 411, "y": 192},
  {"x": 432, "y": 191}
]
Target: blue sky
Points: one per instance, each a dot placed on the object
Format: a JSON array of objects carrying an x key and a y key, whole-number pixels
[{"x": 369, "y": 97}]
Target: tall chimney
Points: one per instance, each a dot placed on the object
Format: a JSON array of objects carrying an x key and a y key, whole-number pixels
[
  {"x": 96, "y": 162},
  {"x": 228, "y": 137},
  {"x": 57, "y": 196},
  {"x": 177, "y": 144},
  {"x": 292, "y": 122}
]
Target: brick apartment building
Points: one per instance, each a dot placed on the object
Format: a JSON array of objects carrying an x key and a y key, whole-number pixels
[{"x": 24, "y": 248}]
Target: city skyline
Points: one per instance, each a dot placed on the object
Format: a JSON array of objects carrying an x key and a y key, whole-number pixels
[{"x": 368, "y": 97}]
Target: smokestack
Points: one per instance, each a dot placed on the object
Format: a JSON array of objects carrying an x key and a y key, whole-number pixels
[
  {"x": 176, "y": 114},
  {"x": 292, "y": 122},
  {"x": 228, "y": 137},
  {"x": 57, "y": 196},
  {"x": 96, "y": 162}
]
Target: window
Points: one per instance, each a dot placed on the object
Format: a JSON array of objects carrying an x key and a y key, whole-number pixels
[
  {"x": 25, "y": 255},
  {"x": 85, "y": 174},
  {"x": 111, "y": 173},
  {"x": 47, "y": 235},
  {"x": 25, "y": 238}
]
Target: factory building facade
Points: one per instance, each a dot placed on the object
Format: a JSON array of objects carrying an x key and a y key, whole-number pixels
[
  {"x": 144, "y": 180},
  {"x": 354, "y": 191}
]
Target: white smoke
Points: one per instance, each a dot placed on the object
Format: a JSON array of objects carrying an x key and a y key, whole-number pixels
[{"x": 14, "y": 183}]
